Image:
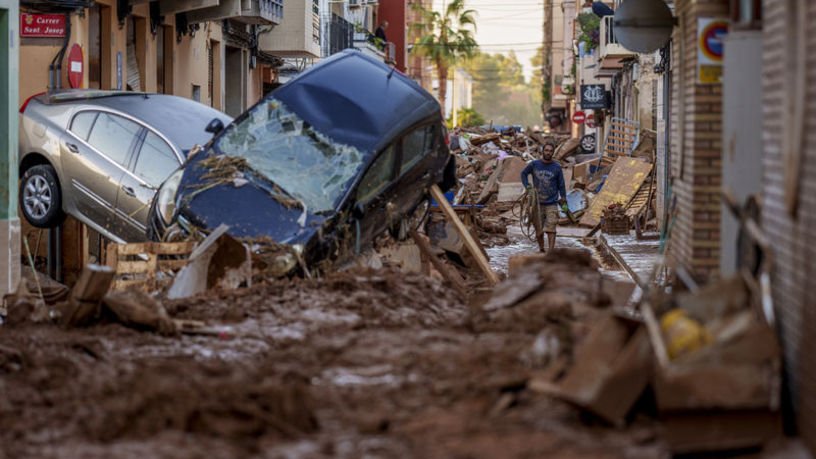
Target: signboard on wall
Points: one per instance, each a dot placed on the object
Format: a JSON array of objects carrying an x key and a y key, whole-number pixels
[
  {"x": 710, "y": 34},
  {"x": 593, "y": 97},
  {"x": 42, "y": 25}
]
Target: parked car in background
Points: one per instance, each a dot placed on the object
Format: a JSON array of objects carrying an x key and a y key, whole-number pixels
[
  {"x": 100, "y": 156},
  {"x": 324, "y": 163}
]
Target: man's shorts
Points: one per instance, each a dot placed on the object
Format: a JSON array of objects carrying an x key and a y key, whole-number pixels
[{"x": 549, "y": 217}]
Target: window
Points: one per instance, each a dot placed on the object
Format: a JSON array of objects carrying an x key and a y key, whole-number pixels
[
  {"x": 81, "y": 125},
  {"x": 378, "y": 176},
  {"x": 746, "y": 14},
  {"x": 415, "y": 145},
  {"x": 113, "y": 135},
  {"x": 156, "y": 160}
]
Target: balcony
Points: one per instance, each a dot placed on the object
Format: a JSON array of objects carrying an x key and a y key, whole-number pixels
[
  {"x": 610, "y": 51},
  {"x": 267, "y": 12},
  {"x": 298, "y": 34}
]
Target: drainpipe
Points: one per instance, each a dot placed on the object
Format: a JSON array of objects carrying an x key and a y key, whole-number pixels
[{"x": 55, "y": 68}]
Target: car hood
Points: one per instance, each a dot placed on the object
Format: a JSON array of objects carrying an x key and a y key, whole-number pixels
[{"x": 250, "y": 210}]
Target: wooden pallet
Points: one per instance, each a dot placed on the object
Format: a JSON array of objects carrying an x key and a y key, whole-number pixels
[
  {"x": 622, "y": 137},
  {"x": 147, "y": 266},
  {"x": 640, "y": 200}
]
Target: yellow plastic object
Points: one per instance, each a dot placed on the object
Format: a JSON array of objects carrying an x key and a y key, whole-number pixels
[{"x": 683, "y": 334}]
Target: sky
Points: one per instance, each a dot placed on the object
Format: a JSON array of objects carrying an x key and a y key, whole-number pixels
[{"x": 503, "y": 25}]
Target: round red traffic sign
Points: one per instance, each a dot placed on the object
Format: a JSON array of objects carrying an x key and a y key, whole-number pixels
[
  {"x": 578, "y": 117},
  {"x": 75, "y": 68},
  {"x": 590, "y": 120}
]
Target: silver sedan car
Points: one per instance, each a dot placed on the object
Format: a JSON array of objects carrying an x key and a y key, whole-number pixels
[{"x": 100, "y": 155}]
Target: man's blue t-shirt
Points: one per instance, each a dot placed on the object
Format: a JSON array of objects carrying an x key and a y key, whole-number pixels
[{"x": 548, "y": 180}]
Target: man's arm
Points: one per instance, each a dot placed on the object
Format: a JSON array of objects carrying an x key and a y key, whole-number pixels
[
  {"x": 562, "y": 188},
  {"x": 525, "y": 172}
]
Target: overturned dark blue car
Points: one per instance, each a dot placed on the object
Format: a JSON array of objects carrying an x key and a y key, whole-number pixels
[{"x": 323, "y": 164}]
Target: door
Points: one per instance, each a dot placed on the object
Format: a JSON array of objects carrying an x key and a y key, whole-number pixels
[
  {"x": 416, "y": 158},
  {"x": 371, "y": 195},
  {"x": 95, "y": 152},
  {"x": 153, "y": 163}
]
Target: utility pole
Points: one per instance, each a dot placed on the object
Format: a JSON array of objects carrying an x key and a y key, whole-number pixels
[{"x": 546, "y": 58}]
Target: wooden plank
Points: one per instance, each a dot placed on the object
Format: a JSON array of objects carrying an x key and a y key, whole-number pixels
[
  {"x": 135, "y": 248},
  {"x": 623, "y": 182},
  {"x": 447, "y": 272},
  {"x": 174, "y": 248},
  {"x": 473, "y": 246},
  {"x": 133, "y": 267}
]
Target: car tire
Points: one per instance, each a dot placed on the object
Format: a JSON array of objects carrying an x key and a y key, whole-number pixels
[{"x": 41, "y": 197}]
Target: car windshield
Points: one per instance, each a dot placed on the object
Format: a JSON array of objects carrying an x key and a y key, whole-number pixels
[{"x": 280, "y": 146}]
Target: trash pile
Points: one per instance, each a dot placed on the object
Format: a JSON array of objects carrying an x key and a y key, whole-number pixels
[{"x": 489, "y": 166}]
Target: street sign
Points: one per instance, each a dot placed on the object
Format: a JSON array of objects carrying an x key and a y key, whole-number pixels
[
  {"x": 590, "y": 121},
  {"x": 710, "y": 49},
  {"x": 578, "y": 117},
  {"x": 593, "y": 96},
  {"x": 75, "y": 69},
  {"x": 42, "y": 25}
]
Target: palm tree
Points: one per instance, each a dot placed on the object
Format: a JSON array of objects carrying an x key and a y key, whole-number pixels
[{"x": 446, "y": 38}]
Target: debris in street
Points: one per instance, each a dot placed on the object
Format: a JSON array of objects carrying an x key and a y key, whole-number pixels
[
  {"x": 615, "y": 221},
  {"x": 608, "y": 371},
  {"x": 218, "y": 262},
  {"x": 719, "y": 372},
  {"x": 148, "y": 266},
  {"x": 625, "y": 179}
]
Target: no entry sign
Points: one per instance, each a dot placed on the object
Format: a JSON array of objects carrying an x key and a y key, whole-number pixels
[
  {"x": 75, "y": 70},
  {"x": 590, "y": 121},
  {"x": 578, "y": 117},
  {"x": 42, "y": 25}
]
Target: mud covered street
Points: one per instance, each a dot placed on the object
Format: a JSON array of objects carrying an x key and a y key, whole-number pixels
[{"x": 358, "y": 364}]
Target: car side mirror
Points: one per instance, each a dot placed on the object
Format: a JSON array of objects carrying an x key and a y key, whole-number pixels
[
  {"x": 215, "y": 126},
  {"x": 358, "y": 211}
]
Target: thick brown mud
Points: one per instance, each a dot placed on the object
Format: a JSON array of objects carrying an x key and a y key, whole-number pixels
[{"x": 358, "y": 364}]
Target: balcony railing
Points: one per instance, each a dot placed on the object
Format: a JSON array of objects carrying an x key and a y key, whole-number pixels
[
  {"x": 338, "y": 34},
  {"x": 609, "y": 46},
  {"x": 247, "y": 11}
]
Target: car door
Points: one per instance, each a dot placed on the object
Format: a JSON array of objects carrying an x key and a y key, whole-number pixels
[
  {"x": 416, "y": 148},
  {"x": 371, "y": 196},
  {"x": 153, "y": 161},
  {"x": 94, "y": 152}
]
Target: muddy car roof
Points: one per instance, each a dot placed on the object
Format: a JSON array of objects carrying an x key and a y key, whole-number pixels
[{"x": 358, "y": 100}]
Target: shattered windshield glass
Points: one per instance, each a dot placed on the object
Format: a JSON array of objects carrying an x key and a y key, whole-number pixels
[{"x": 279, "y": 145}]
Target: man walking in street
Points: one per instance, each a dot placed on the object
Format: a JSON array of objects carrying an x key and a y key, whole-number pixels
[{"x": 548, "y": 180}]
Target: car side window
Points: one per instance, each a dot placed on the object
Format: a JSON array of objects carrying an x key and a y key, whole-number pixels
[
  {"x": 81, "y": 124},
  {"x": 378, "y": 176},
  {"x": 156, "y": 160},
  {"x": 113, "y": 135},
  {"x": 415, "y": 145}
]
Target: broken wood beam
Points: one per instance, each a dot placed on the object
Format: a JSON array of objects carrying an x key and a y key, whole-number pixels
[
  {"x": 472, "y": 245},
  {"x": 446, "y": 271}
]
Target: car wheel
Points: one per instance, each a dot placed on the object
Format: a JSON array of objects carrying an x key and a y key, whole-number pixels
[
  {"x": 588, "y": 143},
  {"x": 40, "y": 197}
]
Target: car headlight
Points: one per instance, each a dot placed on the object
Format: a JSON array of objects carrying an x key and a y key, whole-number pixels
[{"x": 167, "y": 196}]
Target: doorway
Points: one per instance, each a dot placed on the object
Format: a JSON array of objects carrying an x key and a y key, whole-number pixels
[
  {"x": 235, "y": 83},
  {"x": 99, "y": 59}
]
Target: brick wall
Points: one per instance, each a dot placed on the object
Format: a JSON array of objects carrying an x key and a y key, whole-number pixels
[
  {"x": 794, "y": 277},
  {"x": 696, "y": 145}
]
